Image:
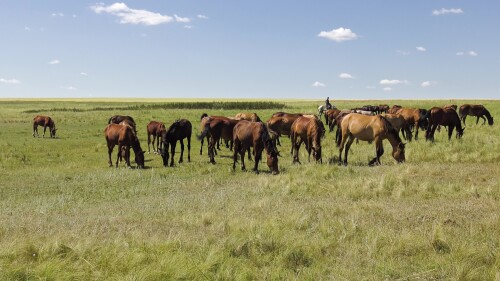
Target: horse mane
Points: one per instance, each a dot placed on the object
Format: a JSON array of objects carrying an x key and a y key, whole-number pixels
[
  {"x": 488, "y": 115},
  {"x": 390, "y": 128}
]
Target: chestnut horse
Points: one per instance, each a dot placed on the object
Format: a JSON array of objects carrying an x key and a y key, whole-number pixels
[
  {"x": 216, "y": 128},
  {"x": 444, "y": 117},
  {"x": 155, "y": 129},
  {"x": 308, "y": 130},
  {"x": 178, "y": 131},
  {"x": 44, "y": 121},
  {"x": 412, "y": 118},
  {"x": 370, "y": 128},
  {"x": 248, "y": 134},
  {"x": 475, "y": 110},
  {"x": 247, "y": 116},
  {"x": 330, "y": 115},
  {"x": 281, "y": 123},
  {"x": 125, "y": 137}
]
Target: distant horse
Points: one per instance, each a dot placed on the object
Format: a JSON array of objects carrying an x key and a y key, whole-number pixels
[
  {"x": 216, "y": 127},
  {"x": 475, "y": 110},
  {"x": 247, "y": 116},
  {"x": 248, "y": 134},
  {"x": 444, "y": 117},
  {"x": 394, "y": 109},
  {"x": 454, "y": 106},
  {"x": 125, "y": 137},
  {"x": 178, "y": 131},
  {"x": 281, "y": 123},
  {"x": 330, "y": 116},
  {"x": 383, "y": 108},
  {"x": 370, "y": 128},
  {"x": 412, "y": 118},
  {"x": 155, "y": 129},
  {"x": 117, "y": 119},
  {"x": 309, "y": 131},
  {"x": 44, "y": 121},
  {"x": 397, "y": 121},
  {"x": 322, "y": 108}
]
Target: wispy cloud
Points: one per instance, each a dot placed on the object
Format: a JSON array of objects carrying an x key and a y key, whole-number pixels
[
  {"x": 392, "y": 82},
  {"x": 387, "y": 89},
  {"x": 133, "y": 16},
  {"x": 339, "y": 35},
  {"x": 444, "y": 11},
  {"x": 345, "y": 76},
  {"x": 57, "y": 15},
  {"x": 318, "y": 84},
  {"x": 9, "y": 81},
  {"x": 84, "y": 74},
  {"x": 203, "y": 17},
  {"x": 56, "y": 61},
  {"x": 469, "y": 53},
  {"x": 426, "y": 84},
  {"x": 69, "y": 88},
  {"x": 181, "y": 19},
  {"x": 421, "y": 49}
]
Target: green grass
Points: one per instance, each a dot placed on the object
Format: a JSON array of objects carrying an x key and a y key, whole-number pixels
[{"x": 65, "y": 215}]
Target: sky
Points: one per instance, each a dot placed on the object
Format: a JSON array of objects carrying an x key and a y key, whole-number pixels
[{"x": 387, "y": 49}]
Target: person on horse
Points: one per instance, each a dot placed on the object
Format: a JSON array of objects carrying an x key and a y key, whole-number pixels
[{"x": 328, "y": 104}]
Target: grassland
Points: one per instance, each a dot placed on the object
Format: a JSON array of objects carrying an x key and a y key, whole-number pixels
[{"x": 65, "y": 215}]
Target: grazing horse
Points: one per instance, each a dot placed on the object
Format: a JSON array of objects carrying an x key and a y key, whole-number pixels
[
  {"x": 178, "y": 131},
  {"x": 125, "y": 137},
  {"x": 370, "y": 128},
  {"x": 383, "y": 108},
  {"x": 216, "y": 128},
  {"x": 308, "y": 130},
  {"x": 44, "y": 121},
  {"x": 117, "y": 119},
  {"x": 155, "y": 129},
  {"x": 475, "y": 110},
  {"x": 247, "y": 116},
  {"x": 248, "y": 134},
  {"x": 444, "y": 117},
  {"x": 330, "y": 116},
  {"x": 281, "y": 123},
  {"x": 412, "y": 118}
]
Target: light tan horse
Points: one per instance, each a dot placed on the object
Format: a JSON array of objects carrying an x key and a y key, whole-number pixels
[
  {"x": 247, "y": 116},
  {"x": 370, "y": 128},
  {"x": 308, "y": 130}
]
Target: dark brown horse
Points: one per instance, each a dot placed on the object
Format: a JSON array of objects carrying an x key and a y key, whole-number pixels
[
  {"x": 370, "y": 128},
  {"x": 475, "y": 110},
  {"x": 216, "y": 128},
  {"x": 155, "y": 129},
  {"x": 125, "y": 137},
  {"x": 117, "y": 119},
  {"x": 178, "y": 131},
  {"x": 330, "y": 116},
  {"x": 281, "y": 123},
  {"x": 46, "y": 122},
  {"x": 444, "y": 117},
  {"x": 308, "y": 130},
  {"x": 248, "y": 134}
]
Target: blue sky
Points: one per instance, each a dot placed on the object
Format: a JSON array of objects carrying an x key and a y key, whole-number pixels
[{"x": 250, "y": 49}]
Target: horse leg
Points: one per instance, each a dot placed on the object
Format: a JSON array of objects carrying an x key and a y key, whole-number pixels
[
  {"x": 249, "y": 153},
  {"x": 182, "y": 152},
  {"x": 433, "y": 130},
  {"x": 127, "y": 156},
  {"x": 484, "y": 119},
  {"x": 211, "y": 149},
  {"x": 296, "y": 147},
  {"x": 379, "y": 150},
  {"x": 309, "y": 148},
  {"x": 110, "y": 150},
  {"x": 45, "y": 128},
  {"x": 235, "y": 153},
  {"x": 347, "y": 147},
  {"x": 189, "y": 148},
  {"x": 257, "y": 150},
  {"x": 408, "y": 133},
  {"x": 477, "y": 121},
  {"x": 201, "y": 146},
  {"x": 118, "y": 155},
  {"x": 35, "y": 130},
  {"x": 450, "y": 132},
  {"x": 149, "y": 141},
  {"x": 416, "y": 130},
  {"x": 172, "y": 151},
  {"x": 242, "y": 151}
]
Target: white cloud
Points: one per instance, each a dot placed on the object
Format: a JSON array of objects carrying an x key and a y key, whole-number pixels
[
  {"x": 84, "y": 73},
  {"x": 27, "y": 28},
  {"x": 421, "y": 49},
  {"x": 57, "y": 14},
  {"x": 132, "y": 16},
  {"x": 56, "y": 61},
  {"x": 345, "y": 76},
  {"x": 339, "y": 35},
  {"x": 460, "y": 53},
  {"x": 469, "y": 53},
  {"x": 318, "y": 84},
  {"x": 426, "y": 84},
  {"x": 181, "y": 19},
  {"x": 473, "y": 54},
  {"x": 188, "y": 26},
  {"x": 9, "y": 81},
  {"x": 69, "y": 88},
  {"x": 203, "y": 17},
  {"x": 392, "y": 82},
  {"x": 387, "y": 89},
  {"x": 444, "y": 11}
]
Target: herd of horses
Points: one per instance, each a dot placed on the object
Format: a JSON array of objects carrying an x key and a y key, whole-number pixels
[{"x": 246, "y": 131}]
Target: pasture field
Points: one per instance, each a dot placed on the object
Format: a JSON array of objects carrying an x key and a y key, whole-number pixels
[{"x": 65, "y": 215}]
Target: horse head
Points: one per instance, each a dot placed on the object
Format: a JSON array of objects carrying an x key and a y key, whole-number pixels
[
  {"x": 399, "y": 153},
  {"x": 460, "y": 132},
  {"x": 53, "y": 132},
  {"x": 272, "y": 156}
]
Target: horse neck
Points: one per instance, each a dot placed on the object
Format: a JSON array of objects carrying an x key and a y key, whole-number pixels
[
  {"x": 136, "y": 145},
  {"x": 488, "y": 116},
  {"x": 394, "y": 140}
]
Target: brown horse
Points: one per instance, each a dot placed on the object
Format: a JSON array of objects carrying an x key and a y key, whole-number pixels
[
  {"x": 338, "y": 120},
  {"x": 117, "y": 119},
  {"x": 330, "y": 115},
  {"x": 394, "y": 109},
  {"x": 454, "y": 106},
  {"x": 247, "y": 116},
  {"x": 412, "y": 118},
  {"x": 248, "y": 134},
  {"x": 281, "y": 123},
  {"x": 44, "y": 121},
  {"x": 475, "y": 110},
  {"x": 383, "y": 108},
  {"x": 125, "y": 137},
  {"x": 178, "y": 131},
  {"x": 444, "y": 117},
  {"x": 397, "y": 121},
  {"x": 216, "y": 128},
  {"x": 370, "y": 128},
  {"x": 155, "y": 129},
  {"x": 308, "y": 130}
]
